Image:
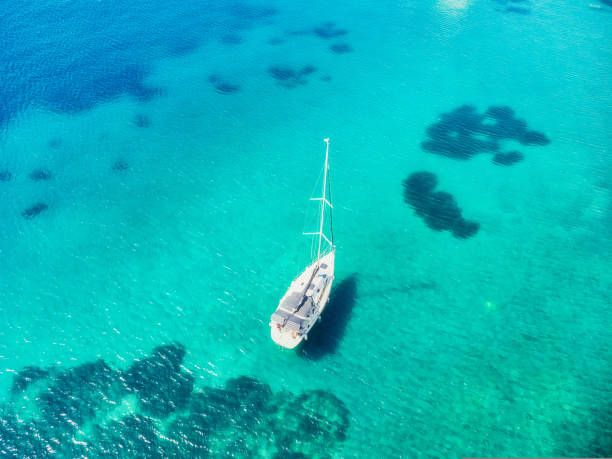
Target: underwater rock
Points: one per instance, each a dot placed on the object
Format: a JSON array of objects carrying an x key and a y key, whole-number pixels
[
  {"x": 211, "y": 413},
  {"x": 76, "y": 394},
  {"x": 438, "y": 209},
  {"x": 23, "y": 439},
  {"x": 34, "y": 210},
  {"x": 239, "y": 420},
  {"x": 243, "y": 401},
  {"x": 27, "y": 376},
  {"x": 341, "y": 48},
  {"x": 217, "y": 406},
  {"x": 307, "y": 70},
  {"x": 326, "y": 78},
  {"x": 5, "y": 176},
  {"x": 421, "y": 183},
  {"x": 191, "y": 433},
  {"x": 507, "y": 126},
  {"x": 222, "y": 86},
  {"x": 328, "y": 412},
  {"x": 464, "y": 132},
  {"x": 464, "y": 229},
  {"x": 226, "y": 88},
  {"x": 507, "y": 159},
  {"x": 253, "y": 396},
  {"x": 169, "y": 356},
  {"x": 120, "y": 166},
  {"x": 320, "y": 423},
  {"x": 499, "y": 123},
  {"x": 158, "y": 381},
  {"x": 131, "y": 436},
  {"x": 40, "y": 175},
  {"x": 455, "y": 134},
  {"x": 534, "y": 138},
  {"x": 281, "y": 73},
  {"x": 328, "y": 30},
  {"x": 142, "y": 121},
  {"x": 246, "y": 416},
  {"x": 289, "y": 77}
]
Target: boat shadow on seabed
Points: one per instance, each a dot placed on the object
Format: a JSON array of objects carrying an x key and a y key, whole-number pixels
[{"x": 325, "y": 337}]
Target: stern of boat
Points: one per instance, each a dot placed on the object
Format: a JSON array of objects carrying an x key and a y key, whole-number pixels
[{"x": 286, "y": 339}]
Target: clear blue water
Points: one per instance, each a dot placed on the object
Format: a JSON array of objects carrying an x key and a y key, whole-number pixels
[{"x": 155, "y": 166}]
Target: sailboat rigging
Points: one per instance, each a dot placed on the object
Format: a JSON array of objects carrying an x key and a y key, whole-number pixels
[{"x": 302, "y": 305}]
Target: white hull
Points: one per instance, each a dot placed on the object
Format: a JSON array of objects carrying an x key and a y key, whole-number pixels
[{"x": 301, "y": 306}]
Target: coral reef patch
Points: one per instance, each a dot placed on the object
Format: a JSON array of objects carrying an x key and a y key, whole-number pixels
[
  {"x": 507, "y": 159},
  {"x": 39, "y": 175},
  {"x": 79, "y": 414},
  {"x": 289, "y": 77},
  {"x": 134, "y": 435},
  {"x": 341, "y": 48},
  {"x": 464, "y": 132},
  {"x": 329, "y": 30},
  {"x": 120, "y": 165},
  {"x": 159, "y": 383},
  {"x": 222, "y": 86},
  {"x": 438, "y": 209},
  {"x": 34, "y": 210},
  {"x": 142, "y": 121},
  {"x": 75, "y": 395},
  {"x": 5, "y": 176},
  {"x": 27, "y": 376}
]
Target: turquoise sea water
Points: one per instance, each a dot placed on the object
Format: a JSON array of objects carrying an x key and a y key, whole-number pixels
[{"x": 179, "y": 175}]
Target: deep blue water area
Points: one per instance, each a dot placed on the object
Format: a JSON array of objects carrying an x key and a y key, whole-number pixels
[{"x": 70, "y": 56}]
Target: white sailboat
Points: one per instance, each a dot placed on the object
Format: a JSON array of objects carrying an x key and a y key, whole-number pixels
[{"x": 302, "y": 305}]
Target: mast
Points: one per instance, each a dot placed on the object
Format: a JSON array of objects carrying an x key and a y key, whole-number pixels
[
  {"x": 326, "y": 140},
  {"x": 324, "y": 201}
]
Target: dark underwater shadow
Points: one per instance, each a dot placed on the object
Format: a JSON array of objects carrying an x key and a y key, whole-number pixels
[
  {"x": 326, "y": 335},
  {"x": 230, "y": 421}
]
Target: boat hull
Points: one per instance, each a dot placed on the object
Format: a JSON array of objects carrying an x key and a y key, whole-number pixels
[
  {"x": 285, "y": 339},
  {"x": 320, "y": 273}
]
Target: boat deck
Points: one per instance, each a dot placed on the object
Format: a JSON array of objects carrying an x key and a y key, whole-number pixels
[{"x": 304, "y": 301}]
